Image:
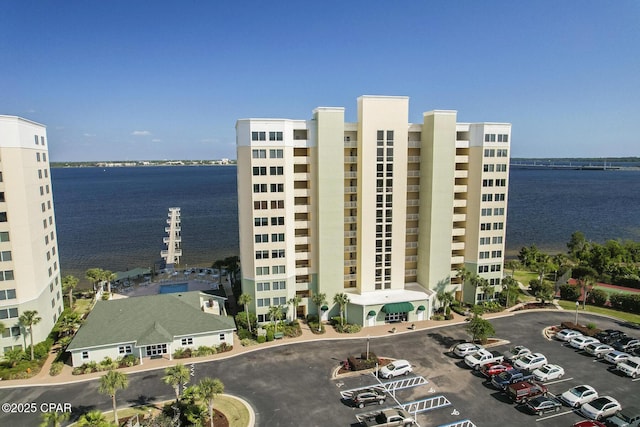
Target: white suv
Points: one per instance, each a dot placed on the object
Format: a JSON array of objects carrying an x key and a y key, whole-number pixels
[
  {"x": 396, "y": 368},
  {"x": 531, "y": 361}
]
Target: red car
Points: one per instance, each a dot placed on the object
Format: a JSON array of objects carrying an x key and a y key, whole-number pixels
[
  {"x": 491, "y": 369},
  {"x": 589, "y": 423}
]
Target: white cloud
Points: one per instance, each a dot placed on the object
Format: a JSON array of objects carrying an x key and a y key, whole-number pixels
[
  {"x": 156, "y": 140},
  {"x": 89, "y": 135},
  {"x": 140, "y": 133}
]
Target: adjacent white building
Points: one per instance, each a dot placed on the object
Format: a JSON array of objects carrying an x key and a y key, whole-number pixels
[
  {"x": 29, "y": 265},
  {"x": 383, "y": 210}
]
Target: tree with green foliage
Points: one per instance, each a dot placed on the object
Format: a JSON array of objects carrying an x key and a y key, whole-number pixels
[
  {"x": 54, "y": 418},
  {"x": 342, "y": 299},
  {"x": 69, "y": 283},
  {"x": 569, "y": 292},
  {"x": 28, "y": 319},
  {"x": 13, "y": 356},
  {"x": 598, "y": 297},
  {"x": 2, "y": 328},
  {"x": 510, "y": 287},
  {"x": 319, "y": 300},
  {"x": 512, "y": 265},
  {"x": 94, "y": 418},
  {"x": 445, "y": 299},
  {"x": 108, "y": 276},
  {"x": 586, "y": 285},
  {"x": 480, "y": 329},
  {"x": 577, "y": 244},
  {"x": 465, "y": 276},
  {"x": 176, "y": 376},
  {"x": 68, "y": 323},
  {"x": 487, "y": 289},
  {"x": 528, "y": 256},
  {"x": 207, "y": 390},
  {"x": 544, "y": 292},
  {"x": 110, "y": 383},
  {"x": 245, "y": 300},
  {"x": 275, "y": 314},
  {"x": 295, "y": 302},
  {"x": 94, "y": 275}
]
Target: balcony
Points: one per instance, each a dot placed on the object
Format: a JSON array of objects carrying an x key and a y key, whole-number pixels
[
  {"x": 350, "y": 248},
  {"x": 411, "y": 245},
  {"x": 460, "y": 173},
  {"x": 302, "y": 176},
  {"x": 351, "y": 159},
  {"x": 413, "y": 217},
  {"x": 350, "y": 190},
  {"x": 457, "y": 246},
  {"x": 460, "y": 188},
  {"x": 412, "y": 231},
  {"x": 462, "y": 144},
  {"x": 301, "y": 192},
  {"x": 350, "y": 174},
  {"x": 459, "y": 203},
  {"x": 176, "y": 252},
  {"x": 413, "y": 202},
  {"x": 168, "y": 229},
  {"x": 350, "y": 144},
  {"x": 458, "y": 232},
  {"x": 167, "y": 240},
  {"x": 462, "y": 159},
  {"x": 350, "y": 262},
  {"x": 351, "y": 204},
  {"x": 411, "y": 258},
  {"x": 349, "y": 277},
  {"x": 457, "y": 260},
  {"x": 413, "y": 188},
  {"x": 414, "y": 144},
  {"x": 413, "y": 159},
  {"x": 410, "y": 272},
  {"x": 459, "y": 217},
  {"x": 301, "y": 240},
  {"x": 413, "y": 173},
  {"x": 350, "y": 219},
  {"x": 350, "y": 234}
]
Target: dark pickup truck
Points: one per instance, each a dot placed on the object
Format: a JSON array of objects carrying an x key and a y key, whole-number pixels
[
  {"x": 512, "y": 376},
  {"x": 525, "y": 390}
]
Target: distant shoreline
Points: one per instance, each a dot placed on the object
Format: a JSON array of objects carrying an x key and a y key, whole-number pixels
[{"x": 106, "y": 165}]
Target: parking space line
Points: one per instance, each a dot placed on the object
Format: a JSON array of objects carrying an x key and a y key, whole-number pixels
[
  {"x": 554, "y": 415},
  {"x": 559, "y": 381},
  {"x": 425, "y": 405},
  {"x": 462, "y": 423},
  {"x": 637, "y": 379}
]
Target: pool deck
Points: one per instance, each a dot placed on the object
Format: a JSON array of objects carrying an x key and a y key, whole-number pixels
[{"x": 193, "y": 281}]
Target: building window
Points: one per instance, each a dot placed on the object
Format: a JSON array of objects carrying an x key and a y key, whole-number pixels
[
  {"x": 44, "y": 157},
  {"x": 6, "y": 275},
  {"x": 490, "y": 137},
  {"x": 496, "y": 254},
  {"x": 277, "y": 220},
  {"x": 277, "y": 188},
  {"x": 487, "y": 183},
  {"x": 277, "y": 204},
  {"x": 485, "y": 240},
  {"x": 489, "y": 152},
  {"x": 5, "y": 256},
  {"x": 487, "y": 197},
  {"x": 260, "y": 204},
  {"x": 14, "y": 331},
  {"x": 276, "y": 170},
  {"x": 4, "y": 236},
  {"x": 46, "y": 173},
  {"x": 261, "y": 221},
  {"x": 277, "y": 237},
  {"x": 259, "y": 154},
  {"x": 484, "y": 255},
  {"x": 279, "y": 285},
  {"x": 277, "y": 153},
  {"x": 38, "y": 156},
  {"x": 498, "y": 225},
  {"x": 262, "y": 254},
  {"x": 262, "y": 318},
  {"x": 124, "y": 349},
  {"x": 263, "y": 302},
  {"x": 503, "y": 138},
  {"x": 277, "y": 253},
  {"x": 502, "y": 153},
  {"x": 497, "y": 240},
  {"x": 186, "y": 341},
  {"x": 259, "y": 170},
  {"x": 154, "y": 350},
  {"x": 7, "y": 294},
  {"x": 85, "y": 355},
  {"x": 3, "y": 217},
  {"x": 262, "y": 271},
  {"x": 259, "y": 188},
  {"x": 488, "y": 168},
  {"x": 486, "y": 212},
  {"x": 483, "y": 269},
  {"x": 223, "y": 337},
  {"x": 263, "y": 286},
  {"x": 279, "y": 269},
  {"x": 262, "y": 238},
  {"x": 485, "y": 226},
  {"x": 258, "y": 136},
  {"x": 275, "y": 136},
  {"x": 498, "y": 211},
  {"x": 501, "y": 167},
  {"x": 499, "y": 197}
]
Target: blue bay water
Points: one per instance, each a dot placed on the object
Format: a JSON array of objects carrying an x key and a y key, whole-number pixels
[{"x": 114, "y": 218}]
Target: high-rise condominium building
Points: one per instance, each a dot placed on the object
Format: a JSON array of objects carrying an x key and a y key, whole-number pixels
[
  {"x": 382, "y": 210},
  {"x": 29, "y": 265}
]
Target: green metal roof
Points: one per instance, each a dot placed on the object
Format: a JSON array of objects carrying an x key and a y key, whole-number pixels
[
  {"x": 397, "y": 307},
  {"x": 146, "y": 320},
  {"x": 371, "y": 313}
]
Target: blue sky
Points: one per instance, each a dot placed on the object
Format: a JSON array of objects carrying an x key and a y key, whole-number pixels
[{"x": 131, "y": 80}]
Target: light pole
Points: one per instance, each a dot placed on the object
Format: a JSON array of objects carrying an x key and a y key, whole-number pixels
[
  {"x": 577, "y": 306},
  {"x": 367, "y": 347}
]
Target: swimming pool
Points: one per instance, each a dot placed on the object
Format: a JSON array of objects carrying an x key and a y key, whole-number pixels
[{"x": 176, "y": 287}]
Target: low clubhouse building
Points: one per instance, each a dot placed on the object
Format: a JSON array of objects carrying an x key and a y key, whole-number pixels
[{"x": 151, "y": 326}]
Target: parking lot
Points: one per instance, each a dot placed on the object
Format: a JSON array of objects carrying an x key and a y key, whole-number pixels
[{"x": 442, "y": 391}]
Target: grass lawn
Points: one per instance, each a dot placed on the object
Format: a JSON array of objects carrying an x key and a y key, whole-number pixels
[
  {"x": 236, "y": 413},
  {"x": 628, "y": 317},
  {"x": 524, "y": 276},
  {"x": 81, "y": 305}
]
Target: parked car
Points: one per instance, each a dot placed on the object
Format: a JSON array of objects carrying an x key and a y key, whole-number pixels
[
  {"x": 491, "y": 369},
  {"x": 531, "y": 361},
  {"x": 609, "y": 336},
  {"x": 626, "y": 344},
  {"x": 579, "y": 395},
  {"x": 525, "y": 390},
  {"x": 542, "y": 404},
  {"x": 630, "y": 367},
  {"x": 395, "y": 368},
  {"x": 512, "y": 376},
  {"x": 368, "y": 396},
  {"x": 581, "y": 342},
  {"x": 465, "y": 348},
  {"x": 598, "y": 349},
  {"x": 481, "y": 358},
  {"x": 395, "y": 417},
  {"x": 600, "y": 408},
  {"x": 567, "y": 335},
  {"x": 516, "y": 352},
  {"x": 548, "y": 372},
  {"x": 589, "y": 423},
  {"x": 628, "y": 417},
  {"x": 616, "y": 356}
]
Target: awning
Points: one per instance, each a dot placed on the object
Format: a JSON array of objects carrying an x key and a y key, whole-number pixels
[
  {"x": 371, "y": 313},
  {"x": 421, "y": 308},
  {"x": 324, "y": 308},
  {"x": 397, "y": 307}
]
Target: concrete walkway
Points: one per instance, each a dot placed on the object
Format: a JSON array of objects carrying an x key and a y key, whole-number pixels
[{"x": 43, "y": 378}]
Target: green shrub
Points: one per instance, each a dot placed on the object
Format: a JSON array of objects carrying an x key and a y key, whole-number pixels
[
  {"x": 437, "y": 317},
  {"x": 105, "y": 296},
  {"x": 182, "y": 353},
  {"x": 569, "y": 292},
  {"x": 248, "y": 342},
  {"x": 348, "y": 328},
  {"x": 312, "y": 318},
  {"x": 261, "y": 339},
  {"x": 244, "y": 334},
  {"x": 591, "y": 326},
  {"x": 56, "y": 368},
  {"x": 128, "y": 360},
  {"x": 203, "y": 350},
  {"x": 107, "y": 363},
  {"x": 597, "y": 297},
  {"x": 270, "y": 335},
  {"x": 223, "y": 347}
]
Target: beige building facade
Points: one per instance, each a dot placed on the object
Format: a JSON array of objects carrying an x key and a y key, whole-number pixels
[
  {"x": 383, "y": 210},
  {"x": 29, "y": 264}
]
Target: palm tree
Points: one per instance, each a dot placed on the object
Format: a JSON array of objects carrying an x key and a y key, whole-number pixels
[
  {"x": 69, "y": 283},
  {"x": 68, "y": 323},
  {"x": 512, "y": 265},
  {"x": 465, "y": 275},
  {"x": 319, "y": 299},
  {"x": 476, "y": 282},
  {"x": 208, "y": 389},
  {"x": 445, "y": 299},
  {"x": 487, "y": 289},
  {"x": 28, "y": 319},
  {"x": 175, "y": 376},
  {"x": 54, "y": 418},
  {"x": 108, "y": 276},
  {"x": 342, "y": 300},
  {"x": 295, "y": 302},
  {"x": 587, "y": 284},
  {"x": 275, "y": 314},
  {"x": 245, "y": 300},
  {"x": 94, "y": 275},
  {"x": 510, "y": 284},
  {"x": 110, "y": 383},
  {"x": 93, "y": 418}
]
